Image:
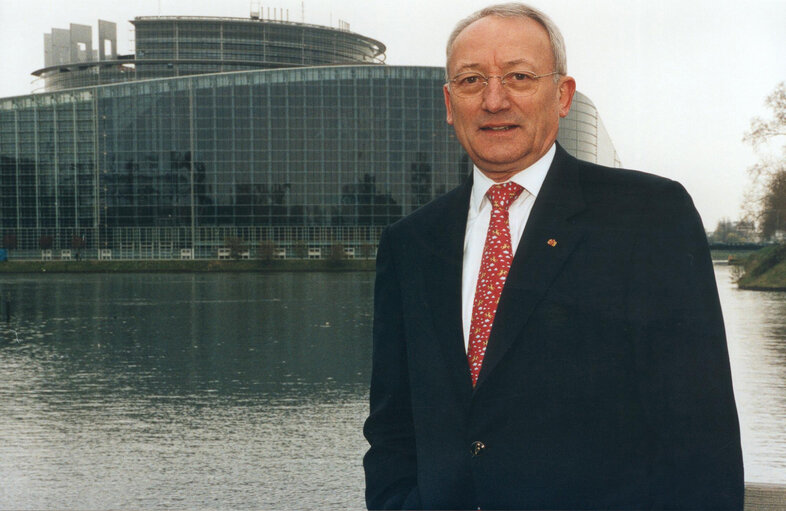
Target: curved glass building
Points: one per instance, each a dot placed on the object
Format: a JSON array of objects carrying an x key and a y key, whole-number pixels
[
  {"x": 168, "y": 46},
  {"x": 271, "y": 147}
]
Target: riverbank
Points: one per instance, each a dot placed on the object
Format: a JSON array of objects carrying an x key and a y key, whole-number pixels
[
  {"x": 765, "y": 270},
  {"x": 732, "y": 256},
  {"x": 177, "y": 265}
]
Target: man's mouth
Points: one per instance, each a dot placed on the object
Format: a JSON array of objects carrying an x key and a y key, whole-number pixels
[{"x": 506, "y": 127}]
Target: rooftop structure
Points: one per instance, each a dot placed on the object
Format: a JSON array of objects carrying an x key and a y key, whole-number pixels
[{"x": 168, "y": 46}]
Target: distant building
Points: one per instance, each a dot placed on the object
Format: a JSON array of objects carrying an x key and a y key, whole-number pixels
[
  {"x": 734, "y": 232},
  {"x": 219, "y": 129}
]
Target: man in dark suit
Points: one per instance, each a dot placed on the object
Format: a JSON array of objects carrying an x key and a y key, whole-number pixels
[{"x": 599, "y": 377}]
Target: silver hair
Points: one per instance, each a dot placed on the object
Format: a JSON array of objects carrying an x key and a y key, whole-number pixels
[{"x": 516, "y": 10}]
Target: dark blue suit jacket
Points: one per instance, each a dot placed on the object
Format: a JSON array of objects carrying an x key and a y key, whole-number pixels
[{"x": 606, "y": 381}]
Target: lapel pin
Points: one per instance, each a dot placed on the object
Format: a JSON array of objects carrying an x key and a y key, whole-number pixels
[{"x": 552, "y": 242}]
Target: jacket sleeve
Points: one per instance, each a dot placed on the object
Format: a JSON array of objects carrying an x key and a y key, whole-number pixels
[
  {"x": 390, "y": 463},
  {"x": 683, "y": 362}
]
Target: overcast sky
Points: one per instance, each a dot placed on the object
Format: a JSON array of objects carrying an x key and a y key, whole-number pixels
[{"x": 676, "y": 82}]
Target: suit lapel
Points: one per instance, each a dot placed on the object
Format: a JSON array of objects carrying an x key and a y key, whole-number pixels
[
  {"x": 548, "y": 240},
  {"x": 442, "y": 269}
]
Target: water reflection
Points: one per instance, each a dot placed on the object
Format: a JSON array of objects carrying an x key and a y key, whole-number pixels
[
  {"x": 756, "y": 329},
  {"x": 201, "y": 391},
  {"x": 184, "y": 391}
]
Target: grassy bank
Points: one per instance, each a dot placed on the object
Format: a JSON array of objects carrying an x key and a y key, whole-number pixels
[
  {"x": 177, "y": 265},
  {"x": 733, "y": 256},
  {"x": 765, "y": 270}
]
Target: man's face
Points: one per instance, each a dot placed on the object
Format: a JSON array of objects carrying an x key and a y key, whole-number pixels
[{"x": 503, "y": 133}]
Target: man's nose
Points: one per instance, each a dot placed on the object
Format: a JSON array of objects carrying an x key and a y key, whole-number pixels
[{"x": 495, "y": 95}]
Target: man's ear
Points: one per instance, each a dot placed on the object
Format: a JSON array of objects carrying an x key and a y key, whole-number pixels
[
  {"x": 448, "y": 108},
  {"x": 567, "y": 87}
]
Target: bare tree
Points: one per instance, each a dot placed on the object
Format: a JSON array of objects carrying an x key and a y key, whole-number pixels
[
  {"x": 766, "y": 200},
  {"x": 762, "y": 131}
]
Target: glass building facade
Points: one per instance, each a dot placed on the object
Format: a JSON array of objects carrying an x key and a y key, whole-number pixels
[{"x": 288, "y": 162}]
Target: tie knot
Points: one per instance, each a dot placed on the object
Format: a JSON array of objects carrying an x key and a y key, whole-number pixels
[{"x": 502, "y": 195}]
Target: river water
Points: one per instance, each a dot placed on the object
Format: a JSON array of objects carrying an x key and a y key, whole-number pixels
[{"x": 244, "y": 391}]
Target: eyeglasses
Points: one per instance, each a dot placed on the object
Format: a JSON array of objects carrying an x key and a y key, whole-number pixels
[{"x": 517, "y": 83}]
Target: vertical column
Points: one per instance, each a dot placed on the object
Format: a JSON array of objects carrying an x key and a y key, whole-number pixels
[
  {"x": 56, "y": 140},
  {"x": 36, "y": 168},
  {"x": 229, "y": 86},
  {"x": 74, "y": 139},
  {"x": 177, "y": 48},
  {"x": 221, "y": 44},
  {"x": 16, "y": 164},
  {"x": 96, "y": 174},
  {"x": 252, "y": 168},
  {"x": 192, "y": 150}
]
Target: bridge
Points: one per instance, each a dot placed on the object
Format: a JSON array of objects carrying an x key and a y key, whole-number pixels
[{"x": 734, "y": 247}]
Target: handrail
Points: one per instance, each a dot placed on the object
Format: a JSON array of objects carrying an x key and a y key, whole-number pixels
[{"x": 765, "y": 496}]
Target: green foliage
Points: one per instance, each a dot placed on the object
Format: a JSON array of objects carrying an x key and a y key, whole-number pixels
[
  {"x": 731, "y": 232},
  {"x": 236, "y": 246},
  {"x": 336, "y": 252},
  {"x": 367, "y": 250},
  {"x": 9, "y": 241},
  {"x": 762, "y": 261},
  {"x": 300, "y": 249},
  {"x": 45, "y": 242},
  {"x": 77, "y": 242},
  {"x": 765, "y": 269},
  {"x": 265, "y": 250}
]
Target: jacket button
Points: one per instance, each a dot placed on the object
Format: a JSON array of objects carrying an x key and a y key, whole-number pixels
[{"x": 477, "y": 448}]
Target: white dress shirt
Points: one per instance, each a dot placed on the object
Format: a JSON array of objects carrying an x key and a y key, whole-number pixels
[{"x": 478, "y": 219}]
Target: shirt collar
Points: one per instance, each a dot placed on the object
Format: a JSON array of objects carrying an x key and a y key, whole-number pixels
[{"x": 530, "y": 178}]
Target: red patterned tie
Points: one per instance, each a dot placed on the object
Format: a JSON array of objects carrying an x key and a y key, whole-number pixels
[{"x": 494, "y": 267}]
